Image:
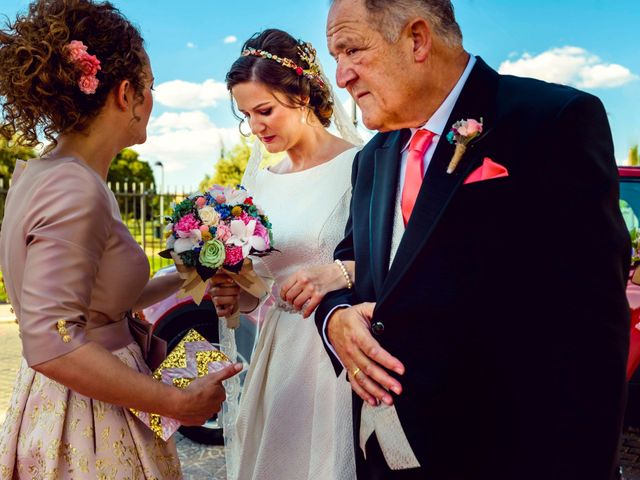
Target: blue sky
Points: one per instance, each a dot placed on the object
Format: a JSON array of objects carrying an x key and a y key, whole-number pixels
[{"x": 591, "y": 44}]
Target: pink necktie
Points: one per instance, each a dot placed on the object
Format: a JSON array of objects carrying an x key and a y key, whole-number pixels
[{"x": 414, "y": 174}]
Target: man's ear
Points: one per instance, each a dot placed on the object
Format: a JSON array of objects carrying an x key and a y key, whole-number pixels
[
  {"x": 123, "y": 95},
  {"x": 421, "y": 36}
]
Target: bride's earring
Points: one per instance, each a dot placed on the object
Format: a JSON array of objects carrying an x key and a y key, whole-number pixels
[{"x": 303, "y": 116}]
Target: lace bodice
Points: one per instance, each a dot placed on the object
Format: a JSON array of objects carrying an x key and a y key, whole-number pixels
[{"x": 308, "y": 211}]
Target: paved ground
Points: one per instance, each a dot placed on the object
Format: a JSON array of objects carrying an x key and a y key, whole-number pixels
[{"x": 198, "y": 461}]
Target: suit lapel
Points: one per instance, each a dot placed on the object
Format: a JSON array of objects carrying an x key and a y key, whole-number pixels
[
  {"x": 476, "y": 100},
  {"x": 383, "y": 202}
]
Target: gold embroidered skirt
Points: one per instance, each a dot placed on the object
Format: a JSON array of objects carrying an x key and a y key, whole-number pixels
[{"x": 52, "y": 432}]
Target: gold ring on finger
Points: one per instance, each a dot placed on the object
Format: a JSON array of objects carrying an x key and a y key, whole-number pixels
[{"x": 356, "y": 372}]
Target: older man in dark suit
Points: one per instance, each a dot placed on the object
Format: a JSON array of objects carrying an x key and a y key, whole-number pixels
[{"x": 489, "y": 316}]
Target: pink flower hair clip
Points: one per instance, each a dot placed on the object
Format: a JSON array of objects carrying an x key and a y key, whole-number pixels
[{"x": 88, "y": 65}]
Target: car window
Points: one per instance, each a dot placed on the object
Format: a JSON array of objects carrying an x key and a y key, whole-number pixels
[{"x": 630, "y": 201}]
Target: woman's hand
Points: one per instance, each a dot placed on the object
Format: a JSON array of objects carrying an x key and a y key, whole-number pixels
[
  {"x": 204, "y": 397},
  {"x": 225, "y": 294},
  {"x": 308, "y": 286}
]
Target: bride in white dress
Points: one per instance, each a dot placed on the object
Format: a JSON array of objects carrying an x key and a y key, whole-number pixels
[{"x": 294, "y": 419}]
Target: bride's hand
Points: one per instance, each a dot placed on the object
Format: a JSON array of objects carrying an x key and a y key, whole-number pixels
[
  {"x": 225, "y": 294},
  {"x": 308, "y": 286}
]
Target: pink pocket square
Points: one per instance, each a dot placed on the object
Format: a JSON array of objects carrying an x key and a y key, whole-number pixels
[{"x": 488, "y": 170}]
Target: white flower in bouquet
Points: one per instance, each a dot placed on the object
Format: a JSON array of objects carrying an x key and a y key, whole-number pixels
[
  {"x": 209, "y": 216},
  {"x": 184, "y": 244},
  {"x": 235, "y": 196},
  {"x": 243, "y": 236}
]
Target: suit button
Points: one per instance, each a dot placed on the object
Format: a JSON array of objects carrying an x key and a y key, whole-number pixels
[{"x": 377, "y": 328}]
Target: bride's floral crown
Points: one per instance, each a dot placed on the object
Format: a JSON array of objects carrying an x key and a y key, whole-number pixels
[{"x": 306, "y": 52}]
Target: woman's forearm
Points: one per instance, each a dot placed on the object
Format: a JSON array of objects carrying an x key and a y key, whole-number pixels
[
  {"x": 93, "y": 371},
  {"x": 158, "y": 289}
]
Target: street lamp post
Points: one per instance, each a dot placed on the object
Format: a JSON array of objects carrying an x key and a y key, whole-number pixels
[
  {"x": 354, "y": 113},
  {"x": 159, "y": 164}
]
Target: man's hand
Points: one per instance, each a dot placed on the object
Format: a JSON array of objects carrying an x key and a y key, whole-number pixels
[{"x": 363, "y": 357}]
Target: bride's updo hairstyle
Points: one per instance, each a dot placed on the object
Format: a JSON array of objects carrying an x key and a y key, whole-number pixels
[
  {"x": 59, "y": 61},
  {"x": 277, "y": 72}
]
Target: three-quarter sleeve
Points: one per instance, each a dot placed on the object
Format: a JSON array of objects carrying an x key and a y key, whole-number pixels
[{"x": 67, "y": 226}]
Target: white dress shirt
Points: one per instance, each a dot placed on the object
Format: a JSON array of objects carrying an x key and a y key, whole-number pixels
[{"x": 437, "y": 124}]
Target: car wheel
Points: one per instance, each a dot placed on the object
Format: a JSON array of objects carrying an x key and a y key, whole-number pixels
[{"x": 172, "y": 328}]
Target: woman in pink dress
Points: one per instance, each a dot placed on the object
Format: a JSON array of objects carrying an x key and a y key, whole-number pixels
[{"x": 77, "y": 71}]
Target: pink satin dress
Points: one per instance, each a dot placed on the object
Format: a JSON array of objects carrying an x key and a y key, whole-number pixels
[{"x": 72, "y": 270}]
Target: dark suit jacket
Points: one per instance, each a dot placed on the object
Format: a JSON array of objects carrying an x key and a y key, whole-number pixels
[{"x": 506, "y": 299}]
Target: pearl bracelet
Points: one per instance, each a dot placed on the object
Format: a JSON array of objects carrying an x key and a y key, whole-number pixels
[{"x": 343, "y": 269}]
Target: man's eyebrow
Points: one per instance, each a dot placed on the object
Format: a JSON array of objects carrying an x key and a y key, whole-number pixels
[{"x": 340, "y": 44}]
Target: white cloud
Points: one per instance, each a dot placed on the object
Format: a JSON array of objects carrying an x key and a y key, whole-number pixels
[
  {"x": 188, "y": 95},
  {"x": 230, "y": 39},
  {"x": 188, "y": 145},
  {"x": 570, "y": 66},
  {"x": 191, "y": 45},
  {"x": 602, "y": 76},
  {"x": 176, "y": 121}
]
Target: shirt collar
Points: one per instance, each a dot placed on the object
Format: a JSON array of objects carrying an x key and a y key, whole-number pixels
[{"x": 438, "y": 121}]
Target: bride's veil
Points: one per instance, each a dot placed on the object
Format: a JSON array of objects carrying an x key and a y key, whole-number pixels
[{"x": 346, "y": 130}]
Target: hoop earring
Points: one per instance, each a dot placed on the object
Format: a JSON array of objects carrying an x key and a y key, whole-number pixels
[{"x": 246, "y": 135}]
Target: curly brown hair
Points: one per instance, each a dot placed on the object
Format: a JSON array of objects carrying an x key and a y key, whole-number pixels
[
  {"x": 38, "y": 83},
  {"x": 279, "y": 78}
]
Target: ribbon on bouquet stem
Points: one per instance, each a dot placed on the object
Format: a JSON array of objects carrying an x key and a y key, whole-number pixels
[
  {"x": 248, "y": 280},
  {"x": 193, "y": 285},
  {"x": 384, "y": 421}
]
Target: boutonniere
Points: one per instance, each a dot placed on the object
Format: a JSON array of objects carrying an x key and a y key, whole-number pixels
[{"x": 461, "y": 134}]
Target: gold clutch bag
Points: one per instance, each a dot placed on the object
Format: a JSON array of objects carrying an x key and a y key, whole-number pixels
[{"x": 193, "y": 357}]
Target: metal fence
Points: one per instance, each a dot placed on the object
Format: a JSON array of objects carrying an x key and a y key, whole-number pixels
[{"x": 142, "y": 209}]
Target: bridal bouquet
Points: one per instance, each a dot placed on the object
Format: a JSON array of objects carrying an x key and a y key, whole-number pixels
[{"x": 216, "y": 229}]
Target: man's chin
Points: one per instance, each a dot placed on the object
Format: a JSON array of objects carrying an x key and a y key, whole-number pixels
[
  {"x": 380, "y": 125},
  {"x": 373, "y": 123}
]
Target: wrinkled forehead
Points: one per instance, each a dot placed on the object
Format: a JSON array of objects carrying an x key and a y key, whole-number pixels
[{"x": 347, "y": 19}]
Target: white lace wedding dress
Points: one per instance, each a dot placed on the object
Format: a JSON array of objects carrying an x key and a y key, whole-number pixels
[{"x": 294, "y": 419}]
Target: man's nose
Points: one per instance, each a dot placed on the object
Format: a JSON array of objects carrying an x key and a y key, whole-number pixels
[{"x": 344, "y": 74}]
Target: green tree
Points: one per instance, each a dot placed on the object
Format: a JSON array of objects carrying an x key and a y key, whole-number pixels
[
  {"x": 128, "y": 168},
  {"x": 10, "y": 151},
  {"x": 633, "y": 156},
  {"x": 232, "y": 164}
]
